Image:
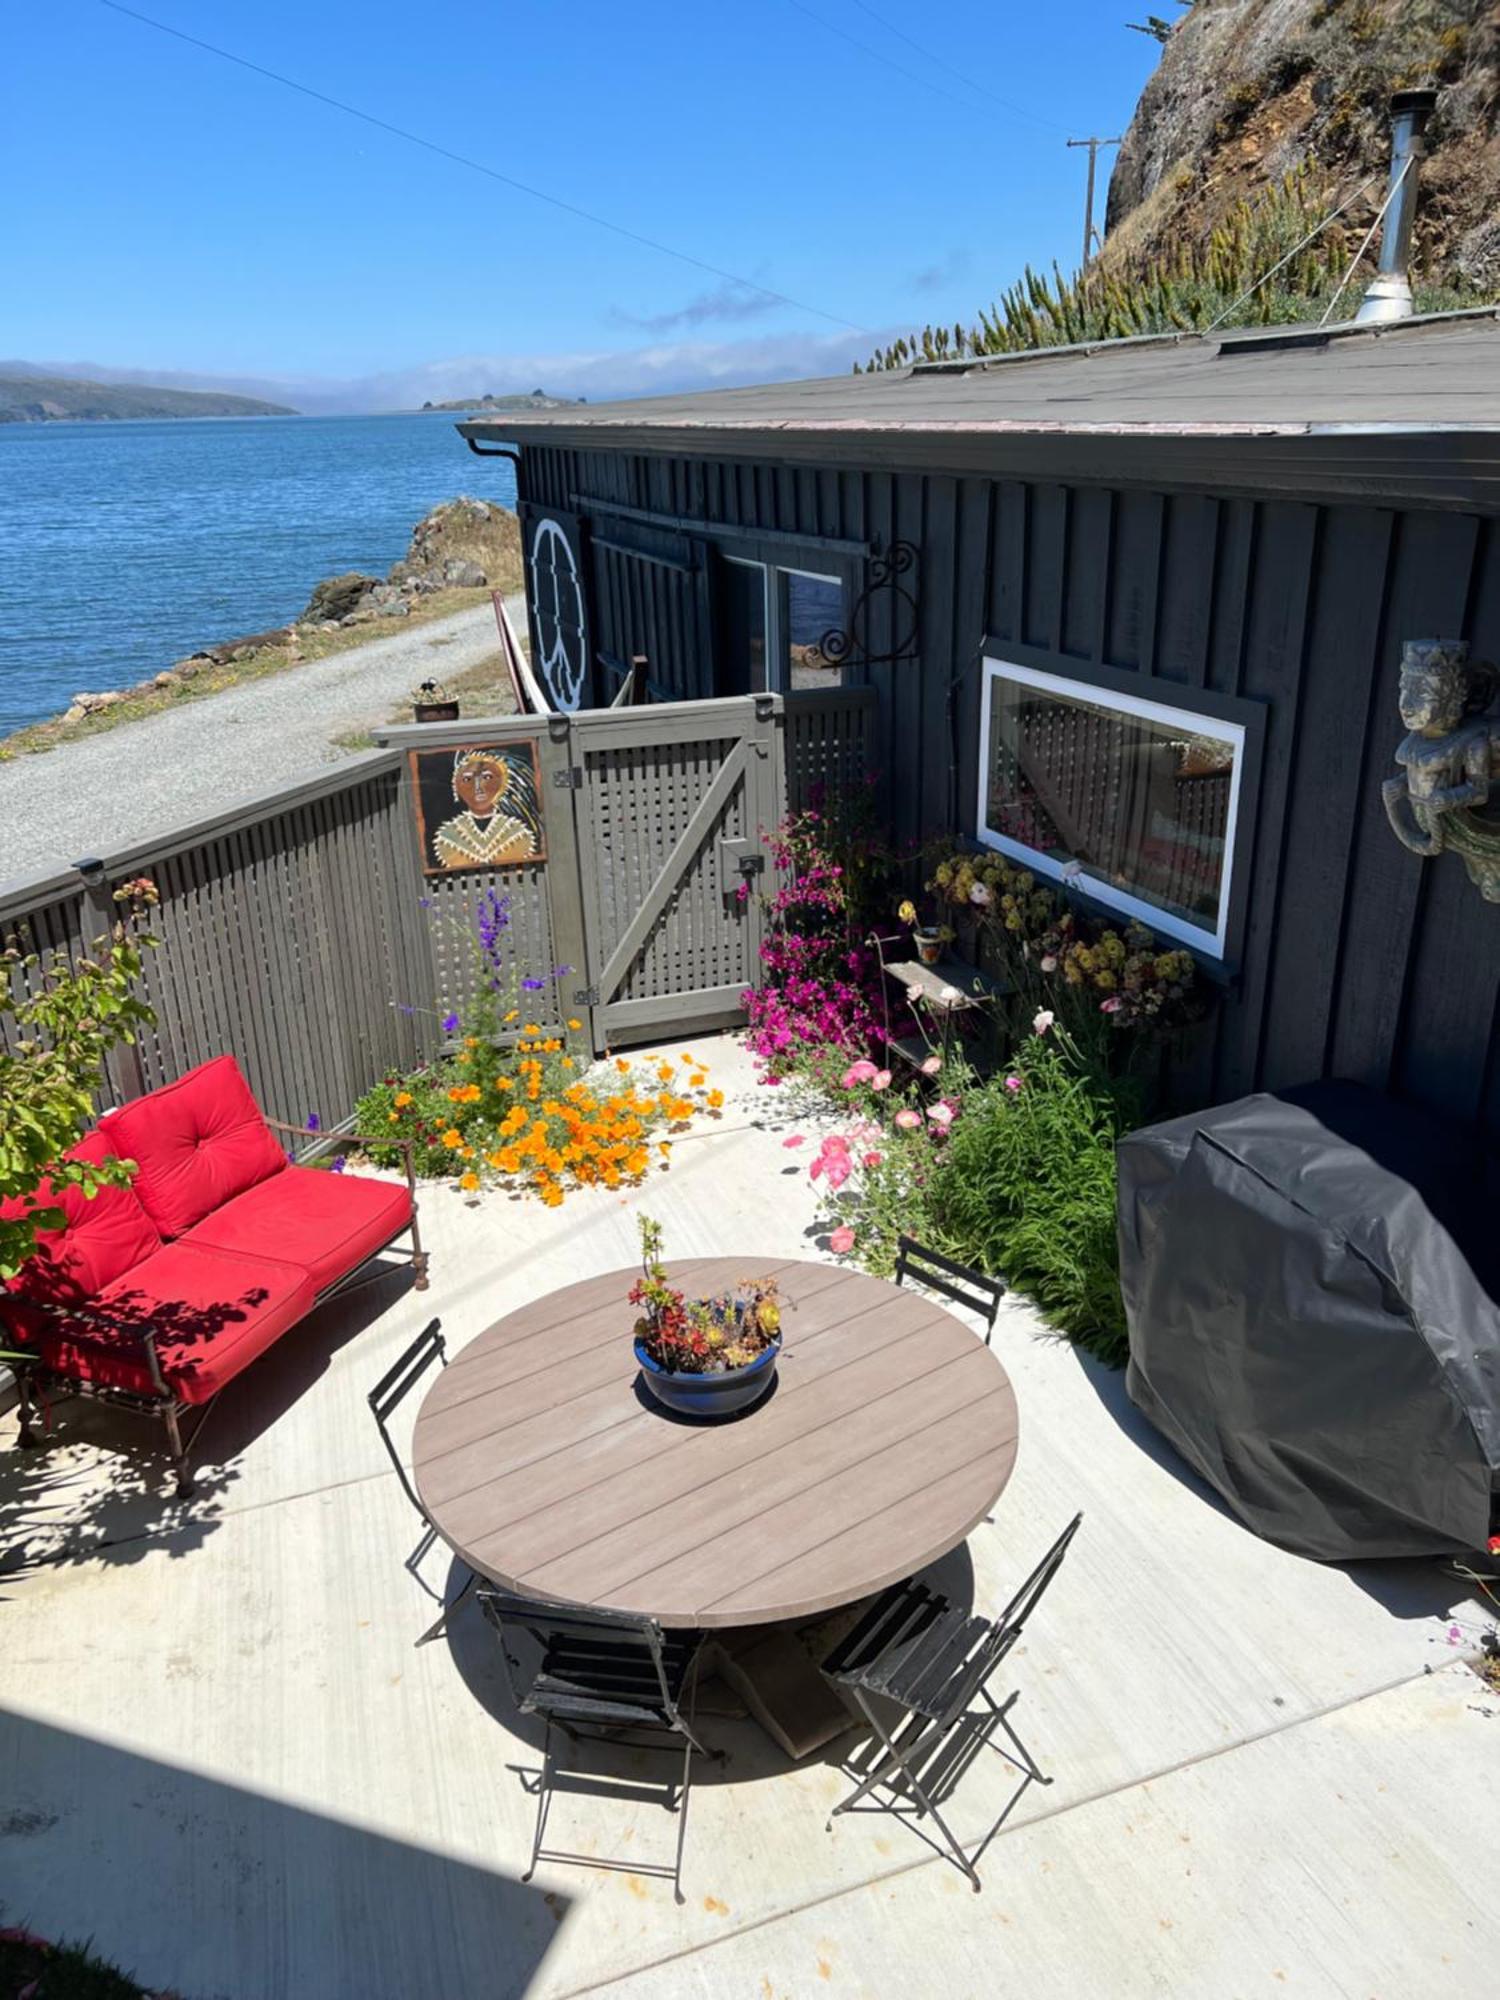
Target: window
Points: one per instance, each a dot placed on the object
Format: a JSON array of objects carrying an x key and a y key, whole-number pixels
[
  {"x": 1135, "y": 800},
  {"x": 773, "y": 621}
]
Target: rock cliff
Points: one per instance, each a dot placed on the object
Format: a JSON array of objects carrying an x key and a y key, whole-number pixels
[{"x": 1249, "y": 91}]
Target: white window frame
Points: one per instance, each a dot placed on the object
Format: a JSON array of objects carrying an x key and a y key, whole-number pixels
[{"x": 1212, "y": 944}]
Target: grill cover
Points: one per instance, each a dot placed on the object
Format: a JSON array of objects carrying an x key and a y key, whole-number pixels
[{"x": 1310, "y": 1286}]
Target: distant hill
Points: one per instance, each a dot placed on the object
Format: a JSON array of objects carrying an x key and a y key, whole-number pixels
[
  {"x": 537, "y": 400},
  {"x": 38, "y": 399}
]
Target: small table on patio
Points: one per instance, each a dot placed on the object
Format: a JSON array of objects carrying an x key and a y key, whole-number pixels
[{"x": 546, "y": 1465}]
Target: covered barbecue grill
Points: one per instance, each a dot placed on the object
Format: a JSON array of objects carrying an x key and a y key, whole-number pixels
[{"x": 1311, "y": 1291}]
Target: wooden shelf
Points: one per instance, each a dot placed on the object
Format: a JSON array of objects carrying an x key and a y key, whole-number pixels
[{"x": 972, "y": 986}]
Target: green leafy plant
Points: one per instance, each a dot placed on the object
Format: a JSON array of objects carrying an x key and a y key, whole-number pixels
[
  {"x": 1027, "y": 1186},
  {"x": 63, "y": 1017}
]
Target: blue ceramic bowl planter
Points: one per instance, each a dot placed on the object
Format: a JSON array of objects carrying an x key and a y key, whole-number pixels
[{"x": 709, "y": 1395}]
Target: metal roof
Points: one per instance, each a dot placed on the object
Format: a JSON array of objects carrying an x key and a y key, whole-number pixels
[{"x": 1428, "y": 373}]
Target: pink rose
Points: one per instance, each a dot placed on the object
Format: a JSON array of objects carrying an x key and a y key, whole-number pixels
[
  {"x": 841, "y": 1242},
  {"x": 835, "y": 1143},
  {"x": 816, "y": 1169},
  {"x": 860, "y": 1072},
  {"x": 838, "y": 1170},
  {"x": 1112, "y": 1005},
  {"x": 932, "y": 1065},
  {"x": 1042, "y": 1020},
  {"x": 941, "y": 1115},
  {"x": 872, "y": 1160},
  {"x": 796, "y": 1139},
  {"x": 881, "y": 1080},
  {"x": 907, "y": 1119},
  {"x": 1012, "y": 1083}
]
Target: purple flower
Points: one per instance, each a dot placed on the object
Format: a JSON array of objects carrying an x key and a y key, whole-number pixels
[
  {"x": 402, "y": 1008},
  {"x": 314, "y": 1122},
  {"x": 450, "y": 1024},
  {"x": 532, "y": 985},
  {"x": 337, "y": 1164},
  {"x": 561, "y": 971},
  {"x": 424, "y": 902}
]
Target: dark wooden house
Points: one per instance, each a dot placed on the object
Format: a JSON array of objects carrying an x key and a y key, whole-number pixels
[{"x": 1134, "y": 611}]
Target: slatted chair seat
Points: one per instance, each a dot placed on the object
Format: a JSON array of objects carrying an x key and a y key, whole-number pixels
[
  {"x": 600, "y": 1673},
  {"x": 912, "y": 1647}
]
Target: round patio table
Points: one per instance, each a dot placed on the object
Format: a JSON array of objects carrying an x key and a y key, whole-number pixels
[{"x": 546, "y": 1465}]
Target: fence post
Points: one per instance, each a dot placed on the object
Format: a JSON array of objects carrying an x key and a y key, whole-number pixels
[
  {"x": 564, "y": 871},
  {"x": 122, "y": 1066}
]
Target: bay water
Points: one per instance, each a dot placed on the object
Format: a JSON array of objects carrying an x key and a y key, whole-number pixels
[{"x": 125, "y": 546}]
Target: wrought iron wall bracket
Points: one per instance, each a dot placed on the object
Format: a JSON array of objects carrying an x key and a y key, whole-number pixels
[{"x": 891, "y": 589}]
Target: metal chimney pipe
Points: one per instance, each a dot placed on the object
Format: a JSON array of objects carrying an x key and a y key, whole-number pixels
[{"x": 1388, "y": 296}]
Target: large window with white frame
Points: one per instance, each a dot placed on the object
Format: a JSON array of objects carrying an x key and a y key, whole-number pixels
[{"x": 1134, "y": 800}]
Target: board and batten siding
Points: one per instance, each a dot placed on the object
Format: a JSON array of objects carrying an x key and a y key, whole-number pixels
[{"x": 1359, "y": 960}]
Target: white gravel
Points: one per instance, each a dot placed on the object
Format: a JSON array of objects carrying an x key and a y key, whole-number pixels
[{"x": 102, "y": 793}]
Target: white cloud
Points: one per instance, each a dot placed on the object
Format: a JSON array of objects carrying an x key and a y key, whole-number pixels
[{"x": 663, "y": 368}]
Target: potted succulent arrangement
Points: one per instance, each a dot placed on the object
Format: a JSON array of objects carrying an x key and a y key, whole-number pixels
[
  {"x": 431, "y": 702},
  {"x": 703, "y": 1357}
]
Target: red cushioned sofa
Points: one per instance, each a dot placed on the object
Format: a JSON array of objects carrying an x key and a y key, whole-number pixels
[{"x": 158, "y": 1293}]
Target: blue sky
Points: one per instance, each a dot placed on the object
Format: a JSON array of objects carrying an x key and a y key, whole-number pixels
[{"x": 879, "y": 163}]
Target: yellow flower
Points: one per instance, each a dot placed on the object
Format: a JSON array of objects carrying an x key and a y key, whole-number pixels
[
  {"x": 393, "y": 1118},
  {"x": 567, "y": 1062},
  {"x": 907, "y": 911},
  {"x": 574, "y": 1026},
  {"x": 403, "y": 1098},
  {"x": 469, "y": 1181},
  {"x": 452, "y": 1137},
  {"x": 504, "y": 1083},
  {"x": 697, "y": 1082},
  {"x": 513, "y": 1015},
  {"x": 715, "y": 1100},
  {"x": 531, "y": 1028}
]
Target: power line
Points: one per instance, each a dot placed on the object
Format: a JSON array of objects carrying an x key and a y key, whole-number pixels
[
  {"x": 931, "y": 55},
  {"x": 941, "y": 89},
  {"x": 478, "y": 166}
]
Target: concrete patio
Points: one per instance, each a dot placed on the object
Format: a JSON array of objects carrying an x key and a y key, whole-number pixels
[{"x": 222, "y": 1758}]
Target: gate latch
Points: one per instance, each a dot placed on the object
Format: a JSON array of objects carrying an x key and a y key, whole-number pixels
[
  {"x": 570, "y": 780},
  {"x": 585, "y": 996}
]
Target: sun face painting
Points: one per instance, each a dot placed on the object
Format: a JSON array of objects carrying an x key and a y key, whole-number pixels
[{"x": 477, "y": 807}]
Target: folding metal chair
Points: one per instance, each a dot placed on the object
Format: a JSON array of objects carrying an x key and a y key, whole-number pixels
[
  {"x": 600, "y": 1673},
  {"x": 965, "y": 1286},
  {"x": 397, "y": 1382},
  {"x": 917, "y": 1650}
]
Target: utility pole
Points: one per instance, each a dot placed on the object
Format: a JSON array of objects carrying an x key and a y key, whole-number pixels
[{"x": 1088, "y": 199}]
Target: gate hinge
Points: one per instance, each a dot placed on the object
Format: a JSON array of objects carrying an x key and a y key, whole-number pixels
[
  {"x": 752, "y": 864},
  {"x": 570, "y": 780},
  {"x": 585, "y": 996}
]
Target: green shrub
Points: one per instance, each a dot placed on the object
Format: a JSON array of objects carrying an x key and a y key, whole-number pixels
[
  {"x": 66, "y": 1015},
  {"x": 1027, "y": 1187}
]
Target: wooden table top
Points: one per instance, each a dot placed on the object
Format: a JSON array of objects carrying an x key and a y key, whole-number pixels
[{"x": 890, "y": 1434}]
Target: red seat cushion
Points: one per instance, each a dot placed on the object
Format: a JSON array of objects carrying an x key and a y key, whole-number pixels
[
  {"x": 327, "y": 1223},
  {"x": 212, "y": 1314},
  {"x": 104, "y": 1236},
  {"x": 197, "y": 1142}
]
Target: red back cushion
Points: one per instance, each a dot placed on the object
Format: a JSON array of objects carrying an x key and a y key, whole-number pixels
[
  {"x": 103, "y": 1239},
  {"x": 198, "y": 1142}
]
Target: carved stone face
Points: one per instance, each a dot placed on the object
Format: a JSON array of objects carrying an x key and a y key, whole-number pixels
[{"x": 1434, "y": 686}]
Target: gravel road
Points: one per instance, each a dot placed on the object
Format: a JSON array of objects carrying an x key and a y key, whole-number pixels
[{"x": 103, "y": 792}]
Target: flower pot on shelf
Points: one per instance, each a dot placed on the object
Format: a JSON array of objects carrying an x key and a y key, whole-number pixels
[
  {"x": 929, "y": 942},
  {"x": 435, "y": 711},
  {"x": 709, "y": 1396}
]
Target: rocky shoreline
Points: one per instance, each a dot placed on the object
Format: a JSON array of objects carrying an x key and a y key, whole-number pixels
[{"x": 462, "y": 544}]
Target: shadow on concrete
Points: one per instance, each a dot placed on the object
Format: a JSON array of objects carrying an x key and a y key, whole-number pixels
[
  {"x": 1407, "y": 1587},
  {"x": 749, "y": 1754},
  {"x": 101, "y": 1487},
  {"x": 213, "y": 1890}
]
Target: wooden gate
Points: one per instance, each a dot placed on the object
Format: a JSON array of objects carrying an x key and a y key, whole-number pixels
[
  {"x": 672, "y": 805},
  {"x": 647, "y": 906}
]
